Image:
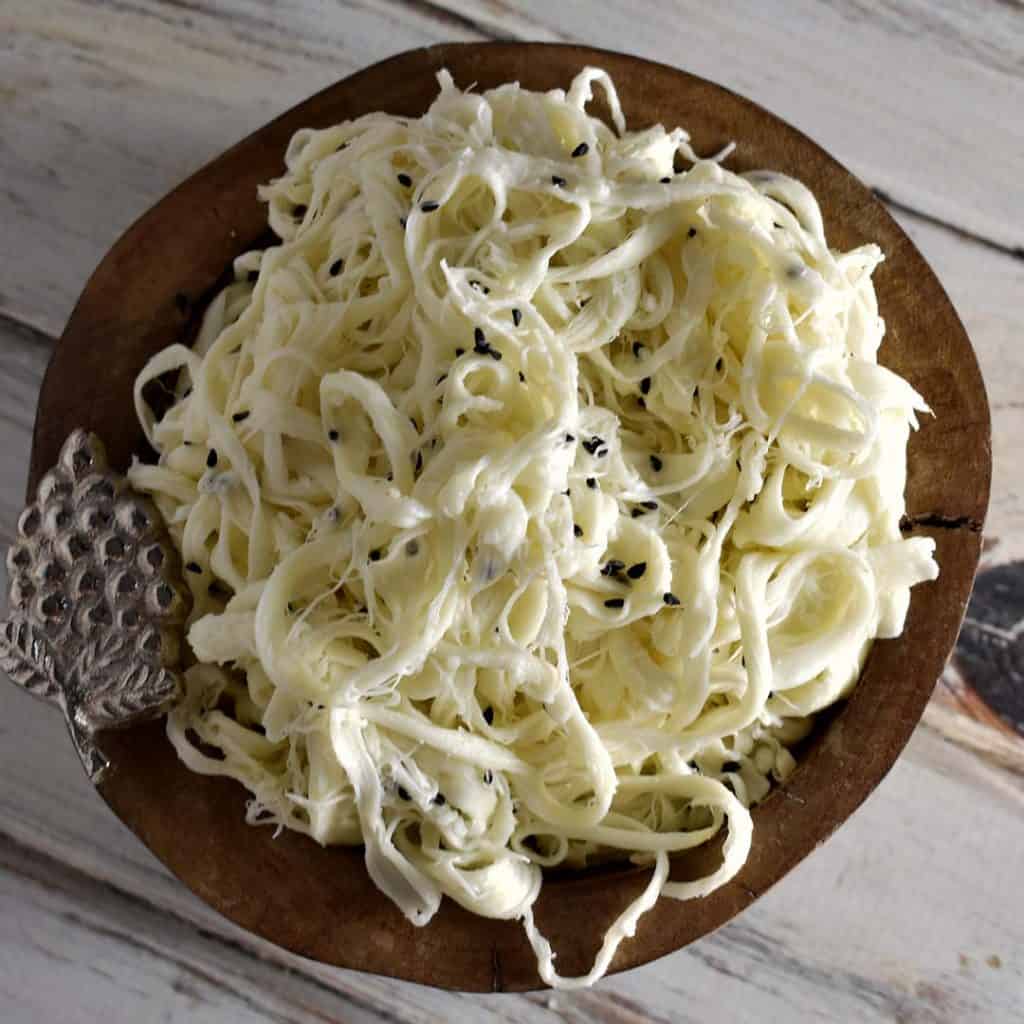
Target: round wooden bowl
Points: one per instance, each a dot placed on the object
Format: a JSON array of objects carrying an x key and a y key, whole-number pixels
[{"x": 149, "y": 292}]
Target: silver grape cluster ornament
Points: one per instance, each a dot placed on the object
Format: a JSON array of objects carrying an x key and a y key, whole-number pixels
[{"x": 96, "y": 600}]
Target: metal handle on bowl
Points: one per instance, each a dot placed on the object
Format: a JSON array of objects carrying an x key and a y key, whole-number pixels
[{"x": 96, "y": 600}]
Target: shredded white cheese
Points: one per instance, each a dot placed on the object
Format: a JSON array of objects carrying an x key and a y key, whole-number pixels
[{"x": 533, "y": 496}]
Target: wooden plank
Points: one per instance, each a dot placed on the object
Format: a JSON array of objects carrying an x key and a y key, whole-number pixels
[
  {"x": 144, "y": 97},
  {"x": 23, "y": 358},
  {"x": 783, "y": 959},
  {"x": 111, "y": 106},
  {"x": 916, "y": 97},
  {"x": 883, "y": 924},
  {"x": 76, "y": 952}
]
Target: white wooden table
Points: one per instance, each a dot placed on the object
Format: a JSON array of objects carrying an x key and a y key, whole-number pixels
[{"x": 914, "y": 912}]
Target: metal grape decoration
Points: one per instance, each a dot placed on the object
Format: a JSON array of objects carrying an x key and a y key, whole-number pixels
[{"x": 96, "y": 601}]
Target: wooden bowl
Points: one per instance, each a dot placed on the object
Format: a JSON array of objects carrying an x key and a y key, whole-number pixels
[{"x": 148, "y": 292}]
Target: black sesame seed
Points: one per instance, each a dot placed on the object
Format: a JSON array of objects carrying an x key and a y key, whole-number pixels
[
  {"x": 591, "y": 482},
  {"x": 337, "y": 267},
  {"x": 645, "y": 386},
  {"x": 656, "y": 464},
  {"x": 211, "y": 458},
  {"x": 522, "y": 377},
  {"x": 439, "y": 799},
  {"x": 664, "y": 181},
  {"x": 602, "y": 453},
  {"x": 612, "y": 567},
  {"x": 591, "y": 446},
  {"x": 637, "y": 513},
  {"x": 430, "y": 207},
  {"x": 557, "y": 181},
  {"x": 567, "y": 492},
  {"x": 479, "y": 338},
  {"x": 404, "y": 180},
  {"x": 494, "y": 354},
  {"x": 332, "y": 435},
  {"x": 719, "y": 363},
  {"x": 692, "y": 233},
  {"x": 650, "y": 505},
  {"x": 442, "y": 378},
  {"x": 403, "y": 793},
  {"x": 634, "y": 572},
  {"x": 375, "y": 555},
  {"x": 669, "y": 598},
  {"x": 488, "y": 714},
  {"x": 615, "y": 602},
  {"x": 193, "y": 567},
  {"x": 488, "y": 776},
  {"x": 569, "y": 438},
  {"x": 577, "y": 530},
  {"x": 581, "y": 150},
  {"x": 238, "y": 417},
  {"x": 517, "y": 317},
  {"x": 739, "y": 465}
]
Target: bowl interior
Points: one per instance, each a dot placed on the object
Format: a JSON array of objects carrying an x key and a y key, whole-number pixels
[{"x": 149, "y": 292}]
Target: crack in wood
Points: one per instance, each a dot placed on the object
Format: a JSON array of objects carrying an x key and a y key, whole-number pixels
[
  {"x": 940, "y": 521},
  {"x": 1013, "y": 251},
  {"x": 26, "y": 330},
  {"x": 497, "y": 982},
  {"x": 883, "y": 998},
  {"x": 40, "y": 868},
  {"x": 445, "y": 15}
]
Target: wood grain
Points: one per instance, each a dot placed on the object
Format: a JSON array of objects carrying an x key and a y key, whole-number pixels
[
  {"x": 46, "y": 803},
  {"x": 142, "y": 93},
  {"x": 314, "y": 900},
  {"x": 102, "y": 108},
  {"x": 860, "y": 78},
  {"x": 112, "y": 105},
  {"x": 784, "y": 957}
]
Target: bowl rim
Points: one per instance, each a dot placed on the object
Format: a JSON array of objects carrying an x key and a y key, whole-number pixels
[{"x": 157, "y": 797}]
